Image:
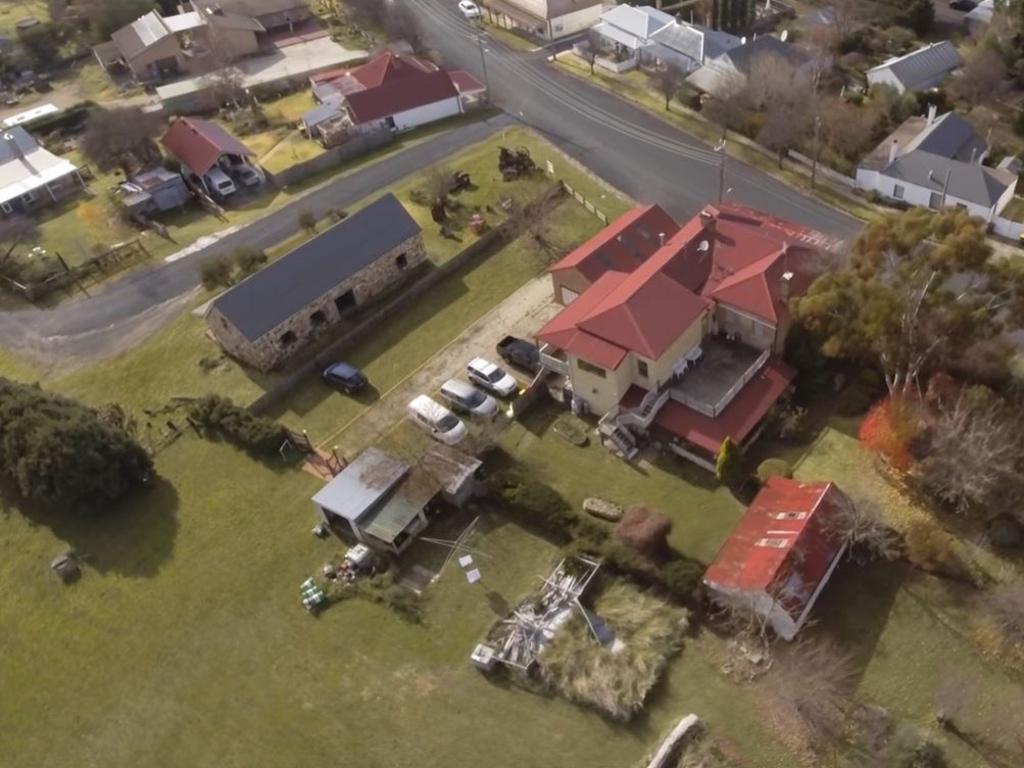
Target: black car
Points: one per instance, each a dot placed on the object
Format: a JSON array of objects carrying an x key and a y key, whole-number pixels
[
  {"x": 345, "y": 377},
  {"x": 519, "y": 352},
  {"x": 963, "y": 5}
]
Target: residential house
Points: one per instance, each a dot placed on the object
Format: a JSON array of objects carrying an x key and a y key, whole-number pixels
[
  {"x": 271, "y": 14},
  {"x": 721, "y": 75},
  {"x": 674, "y": 332},
  {"x": 780, "y": 555},
  {"x": 201, "y": 145},
  {"x": 918, "y": 70},
  {"x": 937, "y": 162},
  {"x": 643, "y": 32},
  {"x": 547, "y": 19},
  {"x": 30, "y": 176},
  {"x": 393, "y": 91},
  {"x": 271, "y": 315},
  {"x": 156, "y": 48},
  {"x": 385, "y": 502}
]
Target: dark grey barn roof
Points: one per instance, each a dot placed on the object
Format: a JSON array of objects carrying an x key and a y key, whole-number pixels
[{"x": 268, "y": 298}]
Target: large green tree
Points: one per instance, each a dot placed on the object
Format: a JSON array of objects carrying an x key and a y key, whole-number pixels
[
  {"x": 60, "y": 453},
  {"x": 918, "y": 293}
]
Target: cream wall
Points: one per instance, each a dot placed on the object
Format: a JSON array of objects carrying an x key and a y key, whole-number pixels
[
  {"x": 601, "y": 394},
  {"x": 752, "y": 332}
]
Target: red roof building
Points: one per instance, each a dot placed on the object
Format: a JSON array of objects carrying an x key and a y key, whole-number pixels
[
  {"x": 199, "y": 144},
  {"x": 781, "y": 554},
  {"x": 697, "y": 311},
  {"x": 404, "y": 90}
]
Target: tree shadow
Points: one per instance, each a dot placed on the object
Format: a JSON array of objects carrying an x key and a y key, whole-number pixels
[
  {"x": 133, "y": 539},
  {"x": 855, "y": 606}
]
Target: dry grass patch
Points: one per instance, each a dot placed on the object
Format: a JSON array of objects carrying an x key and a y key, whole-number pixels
[{"x": 616, "y": 679}]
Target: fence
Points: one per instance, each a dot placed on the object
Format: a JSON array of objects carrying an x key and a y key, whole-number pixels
[
  {"x": 578, "y": 196},
  {"x": 114, "y": 259},
  {"x": 355, "y": 147},
  {"x": 400, "y": 299}
]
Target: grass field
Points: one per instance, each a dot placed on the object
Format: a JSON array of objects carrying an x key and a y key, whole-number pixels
[{"x": 13, "y": 11}]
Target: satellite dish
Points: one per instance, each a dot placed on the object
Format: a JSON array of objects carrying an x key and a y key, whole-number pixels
[{"x": 784, "y": 35}]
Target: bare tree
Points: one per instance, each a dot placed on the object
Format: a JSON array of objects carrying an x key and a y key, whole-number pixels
[
  {"x": 848, "y": 128},
  {"x": 982, "y": 77},
  {"x": 14, "y": 230},
  {"x": 400, "y": 23},
  {"x": 122, "y": 138},
  {"x": 974, "y": 452},
  {"x": 589, "y": 48},
  {"x": 813, "y": 684},
  {"x": 785, "y": 126},
  {"x": 861, "y": 525},
  {"x": 730, "y": 106},
  {"x": 667, "y": 81}
]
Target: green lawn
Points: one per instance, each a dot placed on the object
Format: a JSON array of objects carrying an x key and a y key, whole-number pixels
[
  {"x": 1014, "y": 211},
  {"x": 13, "y": 11}
]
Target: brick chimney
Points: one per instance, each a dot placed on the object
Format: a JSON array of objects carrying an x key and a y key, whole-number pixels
[
  {"x": 784, "y": 283},
  {"x": 894, "y": 149}
]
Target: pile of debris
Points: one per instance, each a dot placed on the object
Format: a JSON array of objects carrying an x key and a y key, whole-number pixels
[
  {"x": 513, "y": 163},
  {"x": 519, "y": 640}
]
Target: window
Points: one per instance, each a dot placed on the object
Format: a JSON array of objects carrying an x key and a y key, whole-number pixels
[
  {"x": 590, "y": 368},
  {"x": 28, "y": 197},
  {"x": 401, "y": 261},
  {"x": 288, "y": 337},
  {"x": 772, "y": 543},
  {"x": 935, "y": 201},
  {"x": 318, "y": 317},
  {"x": 6, "y": 208},
  {"x": 641, "y": 368},
  {"x": 345, "y": 302},
  {"x": 897, "y": 191}
]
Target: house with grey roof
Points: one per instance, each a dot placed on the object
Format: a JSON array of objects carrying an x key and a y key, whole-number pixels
[
  {"x": 724, "y": 73},
  {"x": 918, "y": 70},
  {"x": 643, "y": 32},
  {"x": 31, "y": 176},
  {"x": 271, "y": 315},
  {"x": 978, "y": 18},
  {"x": 384, "y": 501},
  {"x": 547, "y": 19},
  {"x": 154, "y": 48},
  {"x": 937, "y": 161}
]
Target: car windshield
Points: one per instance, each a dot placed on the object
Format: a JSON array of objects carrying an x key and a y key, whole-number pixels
[
  {"x": 448, "y": 423},
  {"x": 475, "y": 398},
  {"x": 496, "y": 375}
]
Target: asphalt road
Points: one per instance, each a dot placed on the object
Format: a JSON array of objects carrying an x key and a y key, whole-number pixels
[
  {"x": 92, "y": 326},
  {"x": 633, "y": 150}
]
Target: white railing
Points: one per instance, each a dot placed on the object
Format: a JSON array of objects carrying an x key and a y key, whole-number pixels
[
  {"x": 643, "y": 415},
  {"x": 712, "y": 411},
  {"x": 552, "y": 363}
]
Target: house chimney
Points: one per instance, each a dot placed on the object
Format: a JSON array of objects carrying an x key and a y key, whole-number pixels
[
  {"x": 894, "y": 149},
  {"x": 784, "y": 283},
  {"x": 661, "y": 238},
  {"x": 974, "y": 152},
  {"x": 932, "y": 109}
]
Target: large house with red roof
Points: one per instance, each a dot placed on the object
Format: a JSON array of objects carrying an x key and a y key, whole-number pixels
[
  {"x": 781, "y": 554},
  {"x": 202, "y": 146},
  {"x": 675, "y": 331},
  {"x": 394, "y": 91}
]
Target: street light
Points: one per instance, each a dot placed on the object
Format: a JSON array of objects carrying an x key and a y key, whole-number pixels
[
  {"x": 720, "y": 147},
  {"x": 483, "y": 63}
]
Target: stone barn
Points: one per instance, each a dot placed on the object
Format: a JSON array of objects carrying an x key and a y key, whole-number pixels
[{"x": 271, "y": 315}]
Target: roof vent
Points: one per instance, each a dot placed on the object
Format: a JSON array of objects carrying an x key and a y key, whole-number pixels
[
  {"x": 703, "y": 246},
  {"x": 661, "y": 238}
]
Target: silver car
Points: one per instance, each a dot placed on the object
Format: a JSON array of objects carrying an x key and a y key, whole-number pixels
[{"x": 468, "y": 399}]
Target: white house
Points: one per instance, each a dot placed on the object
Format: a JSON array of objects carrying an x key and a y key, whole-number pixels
[
  {"x": 30, "y": 176},
  {"x": 549, "y": 19},
  {"x": 918, "y": 70},
  {"x": 937, "y": 162},
  {"x": 980, "y": 17}
]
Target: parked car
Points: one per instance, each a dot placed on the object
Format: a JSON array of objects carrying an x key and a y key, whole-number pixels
[
  {"x": 218, "y": 183},
  {"x": 963, "y": 5},
  {"x": 491, "y": 377},
  {"x": 345, "y": 377},
  {"x": 246, "y": 175},
  {"x": 468, "y": 399},
  {"x": 520, "y": 352},
  {"x": 432, "y": 417},
  {"x": 469, "y": 9}
]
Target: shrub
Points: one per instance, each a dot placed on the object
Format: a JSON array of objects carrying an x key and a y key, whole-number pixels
[
  {"x": 888, "y": 430},
  {"x": 645, "y": 530},
  {"x": 729, "y": 464},
  {"x": 307, "y": 221},
  {"x": 216, "y": 273},
  {"x": 860, "y": 393},
  {"x": 249, "y": 259},
  {"x": 932, "y": 549},
  {"x": 541, "y": 505},
  {"x": 385, "y": 590},
  {"x": 773, "y": 468},
  {"x": 237, "y": 425},
  {"x": 60, "y": 453}
]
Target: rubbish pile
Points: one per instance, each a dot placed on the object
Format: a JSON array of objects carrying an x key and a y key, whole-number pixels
[
  {"x": 313, "y": 598},
  {"x": 513, "y": 163}
]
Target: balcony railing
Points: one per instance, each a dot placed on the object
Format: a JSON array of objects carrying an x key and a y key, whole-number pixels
[
  {"x": 552, "y": 363},
  {"x": 712, "y": 410}
]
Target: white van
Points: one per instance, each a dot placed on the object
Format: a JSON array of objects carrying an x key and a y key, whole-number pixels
[
  {"x": 218, "y": 183},
  {"x": 443, "y": 425},
  {"x": 468, "y": 399}
]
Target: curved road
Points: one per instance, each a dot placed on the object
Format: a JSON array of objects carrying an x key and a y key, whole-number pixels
[{"x": 628, "y": 147}]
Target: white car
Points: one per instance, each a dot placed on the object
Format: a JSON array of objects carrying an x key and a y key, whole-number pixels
[
  {"x": 469, "y": 9},
  {"x": 491, "y": 377},
  {"x": 432, "y": 417},
  {"x": 217, "y": 183}
]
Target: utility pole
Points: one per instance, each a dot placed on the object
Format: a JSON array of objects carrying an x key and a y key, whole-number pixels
[
  {"x": 483, "y": 63},
  {"x": 817, "y": 150},
  {"x": 721, "y": 169}
]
